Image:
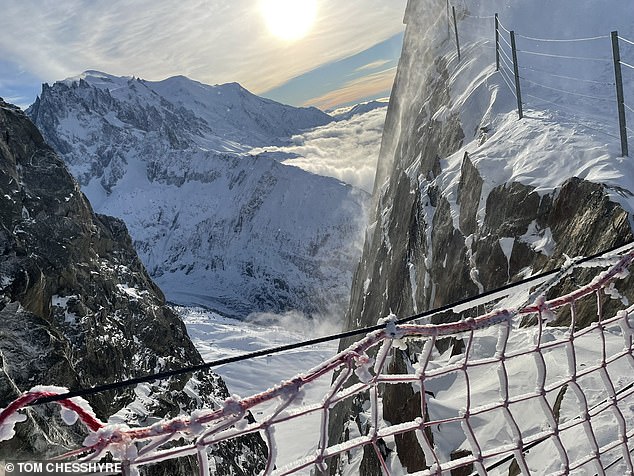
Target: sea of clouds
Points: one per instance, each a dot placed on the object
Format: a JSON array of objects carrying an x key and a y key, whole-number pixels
[{"x": 347, "y": 150}]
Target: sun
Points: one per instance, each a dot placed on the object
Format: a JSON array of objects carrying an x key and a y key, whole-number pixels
[{"x": 289, "y": 20}]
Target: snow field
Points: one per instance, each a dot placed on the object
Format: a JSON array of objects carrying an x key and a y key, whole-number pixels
[{"x": 218, "y": 337}]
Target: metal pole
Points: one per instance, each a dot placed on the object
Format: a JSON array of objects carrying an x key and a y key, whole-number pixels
[
  {"x": 620, "y": 99},
  {"x": 497, "y": 43},
  {"x": 448, "y": 22},
  {"x": 518, "y": 91},
  {"x": 455, "y": 27}
]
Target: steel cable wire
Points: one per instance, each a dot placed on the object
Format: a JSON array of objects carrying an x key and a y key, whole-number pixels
[
  {"x": 573, "y": 110},
  {"x": 626, "y": 40},
  {"x": 562, "y": 40},
  {"x": 550, "y": 55},
  {"x": 508, "y": 62},
  {"x": 561, "y": 76},
  {"x": 508, "y": 82},
  {"x": 352, "y": 333},
  {"x": 588, "y": 96},
  {"x": 503, "y": 27}
]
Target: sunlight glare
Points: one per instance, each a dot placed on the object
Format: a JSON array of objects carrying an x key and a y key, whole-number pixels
[{"x": 289, "y": 19}]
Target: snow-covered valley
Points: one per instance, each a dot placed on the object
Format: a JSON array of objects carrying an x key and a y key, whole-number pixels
[{"x": 218, "y": 337}]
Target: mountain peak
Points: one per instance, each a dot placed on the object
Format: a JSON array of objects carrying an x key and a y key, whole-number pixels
[
  {"x": 98, "y": 79},
  {"x": 214, "y": 225}
]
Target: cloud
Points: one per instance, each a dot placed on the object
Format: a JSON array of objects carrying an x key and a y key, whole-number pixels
[
  {"x": 371, "y": 85},
  {"x": 374, "y": 65},
  {"x": 212, "y": 41},
  {"x": 297, "y": 323},
  {"x": 347, "y": 150}
]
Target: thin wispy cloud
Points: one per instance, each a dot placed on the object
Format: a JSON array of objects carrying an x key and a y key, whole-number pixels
[
  {"x": 212, "y": 41},
  {"x": 374, "y": 65},
  {"x": 347, "y": 150},
  {"x": 371, "y": 85}
]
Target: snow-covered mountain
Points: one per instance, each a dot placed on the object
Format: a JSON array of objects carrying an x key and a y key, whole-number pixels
[
  {"x": 78, "y": 309},
  {"x": 346, "y": 113},
  {"x": 215, "y": 226}
]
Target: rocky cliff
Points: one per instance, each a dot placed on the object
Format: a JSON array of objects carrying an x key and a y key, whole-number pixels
[
  {"x": 78, "y": 309},
  {"x": 467, "y": 199}
]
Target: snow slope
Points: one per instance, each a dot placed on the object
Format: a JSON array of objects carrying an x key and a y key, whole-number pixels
[
  {"x": 217, "y": 337},
  {"x": 570, "y": 124},
  {"x": 214, "y": 225}
]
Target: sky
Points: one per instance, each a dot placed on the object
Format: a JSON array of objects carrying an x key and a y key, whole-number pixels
[{"x": 346, "y": 54}]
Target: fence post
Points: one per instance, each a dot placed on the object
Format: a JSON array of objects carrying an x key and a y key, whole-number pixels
[
  {"x": 448, "y": 22},
  {"x": 497, "y": 43},
  {"x": 455, "y": 27},
  {"x": 620, "y": 99},
  {"x": 518, "y": 91}
]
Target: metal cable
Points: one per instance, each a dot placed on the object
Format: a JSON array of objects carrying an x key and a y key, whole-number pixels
[
  {"x": 574, "y": 110},
  {"x": 505, "y": 41},
  {"x": 508, "y": 82},
  {"x": 275, "y": 350},
  {"x": 508, "y": 62},
  {"x": 468, "y": 15},
  {"x": 601, "y": 98},
  {"x": 626, "y": 40},
  {"x": 582, "y": 58},
  {"x": 562, "y": 40},
  {"x": 503, "y": 27},
  {"x": 537, "y": 70}
]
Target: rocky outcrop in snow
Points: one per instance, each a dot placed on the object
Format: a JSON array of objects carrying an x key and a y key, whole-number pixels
[
  {"x": 78, "y": 309},
  {"x": 213, "y": 225},
  {"x": 458, "y": 213}
]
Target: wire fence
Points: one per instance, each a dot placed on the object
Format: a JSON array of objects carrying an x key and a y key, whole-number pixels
[
  {"x": 563, "y": 387},
  {"x": 582, "y": 76}
]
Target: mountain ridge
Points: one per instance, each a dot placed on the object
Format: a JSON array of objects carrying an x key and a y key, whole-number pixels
[
  {"x": 78, "y": 309},
  {"x": 215, "y": 225}
]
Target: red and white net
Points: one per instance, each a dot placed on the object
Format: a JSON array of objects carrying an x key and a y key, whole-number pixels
[{"x": 523, "y": 394}]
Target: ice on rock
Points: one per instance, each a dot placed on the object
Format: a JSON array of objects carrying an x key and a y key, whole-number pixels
[
  {"x": 7, "y": 428},
  {"x": 68, "y": 416}
]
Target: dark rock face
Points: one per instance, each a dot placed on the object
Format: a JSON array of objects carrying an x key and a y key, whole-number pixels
[
  {"x": 427, "y": 249},
  {"x": 78, "y": 309}
]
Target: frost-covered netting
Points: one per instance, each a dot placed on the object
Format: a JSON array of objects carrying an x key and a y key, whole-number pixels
[{"x": 526, "y": 387}]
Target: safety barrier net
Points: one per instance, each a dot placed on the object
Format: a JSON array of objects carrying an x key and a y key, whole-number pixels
[{"x": 535, "y": 388}]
